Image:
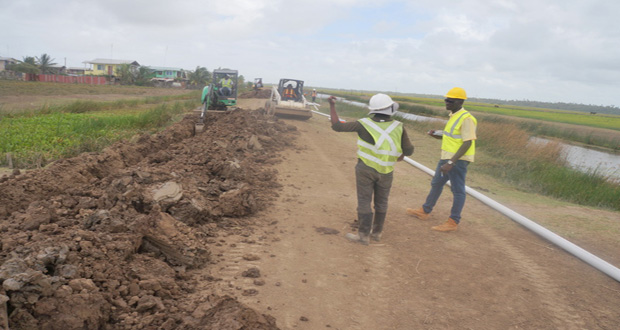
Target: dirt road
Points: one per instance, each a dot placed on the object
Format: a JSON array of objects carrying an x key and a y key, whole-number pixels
[
  {"x": 235, "y": 229},
  {"x": 491, "y": 274}
]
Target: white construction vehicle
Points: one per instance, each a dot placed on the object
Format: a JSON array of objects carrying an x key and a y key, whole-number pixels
[{"x": 288, "y": 100}]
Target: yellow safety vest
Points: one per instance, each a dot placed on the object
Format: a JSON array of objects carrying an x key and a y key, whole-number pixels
[
  {"x": 387, "y": 148},
  {"x": 226, "y": 83},
  {"x": 452, "y": 139}
]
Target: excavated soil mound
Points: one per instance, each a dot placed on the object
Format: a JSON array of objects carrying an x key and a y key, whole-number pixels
[
  {"x": 259, "y": 94},
  {"x": 109, "y": 240}
]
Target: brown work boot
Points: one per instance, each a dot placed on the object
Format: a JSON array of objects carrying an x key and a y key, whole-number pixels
[
  {"x": 419, "y": 213},
  {"x": 449, "y": 225}
]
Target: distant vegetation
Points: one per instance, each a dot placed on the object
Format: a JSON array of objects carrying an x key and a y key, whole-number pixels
[
  {"x": 504, "y": 152},
  {"x": 35, "y": 137},
  {"x": 588, "y": 108},
  {"x": 555, "y": 105},
  {"x": 541, "y": 126}
]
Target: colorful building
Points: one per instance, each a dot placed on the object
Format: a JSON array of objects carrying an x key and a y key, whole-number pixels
[{"x": 102, "y": 66}]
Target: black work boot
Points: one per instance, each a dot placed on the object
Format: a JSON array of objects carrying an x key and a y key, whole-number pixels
[
  {"x": 377, "y": 226},
  {"x": 365, "y": 221}
]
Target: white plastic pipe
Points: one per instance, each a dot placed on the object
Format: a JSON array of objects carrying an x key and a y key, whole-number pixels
[
  {"x": 320, "y": 113},
  {"x": 554, "y": 238}
]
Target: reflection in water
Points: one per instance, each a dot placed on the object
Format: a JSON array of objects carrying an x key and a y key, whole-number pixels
[{"x": 588, "y": 160}]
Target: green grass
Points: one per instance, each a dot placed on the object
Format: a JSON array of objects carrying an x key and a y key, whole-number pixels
[
  {"x": 36, "y": 139},
  {"x": 549, "y": 115},
  {"x": 540, "y": 128},
  {"x": 36, "y": 88},
  {"x": 84, "y": 106}
]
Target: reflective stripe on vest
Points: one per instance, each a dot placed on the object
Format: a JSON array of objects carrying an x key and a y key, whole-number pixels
[
  {"x": 289, "y": 93},
  {"x": 452, "y": 139},
  {"x": 387, "y": 148},
  {"x": 226, "y": 83}
]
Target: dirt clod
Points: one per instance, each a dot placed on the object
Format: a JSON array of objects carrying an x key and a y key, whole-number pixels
[
  {"x": 117, "y": 239},
  {"x": 252, "y": 272}
]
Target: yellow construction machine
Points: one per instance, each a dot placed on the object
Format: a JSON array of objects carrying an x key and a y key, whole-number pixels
[{"x": 288, "y": 100}]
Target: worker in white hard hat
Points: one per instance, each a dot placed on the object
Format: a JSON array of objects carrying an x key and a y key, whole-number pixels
[
  {"x": 458, "y": 147},
  {"x": 382, "y": 141}
]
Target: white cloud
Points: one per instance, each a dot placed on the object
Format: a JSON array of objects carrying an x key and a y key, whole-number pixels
[{"x": 550, "y": 51}]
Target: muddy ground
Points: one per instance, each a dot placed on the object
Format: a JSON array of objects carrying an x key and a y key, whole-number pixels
[
  {"x": 241, "y": 227},
  {"x": 112, "y": 240}
]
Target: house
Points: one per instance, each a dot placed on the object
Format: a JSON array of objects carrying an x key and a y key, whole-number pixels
[
  {"x": 76, "y": 71},
  {"x": 57, "y": 69},
  {"x": 102, "y": 66},
  {"x": 167, "y": 77},
  {"x": 6, "y": 61},
  {"x": 167, "y": 73}
]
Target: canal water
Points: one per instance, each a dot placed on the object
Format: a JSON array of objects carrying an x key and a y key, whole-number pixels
[{"x": 582, "y": 159}]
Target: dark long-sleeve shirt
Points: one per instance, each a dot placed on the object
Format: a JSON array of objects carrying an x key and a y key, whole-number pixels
[{"x": 356, "y": 126}]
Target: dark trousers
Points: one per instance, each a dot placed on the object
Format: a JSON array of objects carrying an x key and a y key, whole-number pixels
[{"x": 371, "y": 186}]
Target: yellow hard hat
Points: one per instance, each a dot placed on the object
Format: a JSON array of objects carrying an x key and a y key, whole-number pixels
[{"x": 457, "y": 93}]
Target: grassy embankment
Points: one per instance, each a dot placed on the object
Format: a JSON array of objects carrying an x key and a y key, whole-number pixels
[
  {"x": 34, "y": 137},
  {"x": 540, "y": 119},
  {"x": 536, "y": 121},
  {"x": 532, "y": 168}
]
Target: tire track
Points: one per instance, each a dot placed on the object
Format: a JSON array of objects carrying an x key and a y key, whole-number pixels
[
  {"x": 552, "y": 297},
  {"x": 235, "y": 262}
]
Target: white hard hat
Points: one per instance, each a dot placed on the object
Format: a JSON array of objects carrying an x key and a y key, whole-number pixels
[{"x": 382, "y": 104}]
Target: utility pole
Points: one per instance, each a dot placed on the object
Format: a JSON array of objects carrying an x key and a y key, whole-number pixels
[{"x": 165, "y": 54}]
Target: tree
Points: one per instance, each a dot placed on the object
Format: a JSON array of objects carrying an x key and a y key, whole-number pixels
[
  {"x": 199, "y": 77},
  {"x": 27, "y": 65},
  {"x": 45, "y": 64},
  {"x": 128, "y": 75},
  {"x": 124, "y": 74},
  {"x": 142, "y": 77}
]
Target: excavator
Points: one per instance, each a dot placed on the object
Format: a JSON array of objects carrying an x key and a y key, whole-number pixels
[
  {"x": 258, "y": 84},
  {"x": 288, "y": 100},
  {"x": 219, "y": 95}
]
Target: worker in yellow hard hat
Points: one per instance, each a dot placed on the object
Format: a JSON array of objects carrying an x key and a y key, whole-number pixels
[
  {"x": 382, "y": 141},
  {"x": 458, "y": 147}
]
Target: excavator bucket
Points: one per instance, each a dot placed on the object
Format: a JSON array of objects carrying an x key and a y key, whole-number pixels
[
  {"x": 291, "y": 110},
  {"x": 198, "y": 128}
]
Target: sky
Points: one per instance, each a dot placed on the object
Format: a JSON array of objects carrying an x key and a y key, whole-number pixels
[{"x": 541, "y": 50}]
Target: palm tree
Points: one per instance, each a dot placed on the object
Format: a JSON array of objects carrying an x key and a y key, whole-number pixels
[
  {"x": 27, "y": 65},
  {"x": 199, "y": 77},
  {"x": 45, "y": 64}
]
